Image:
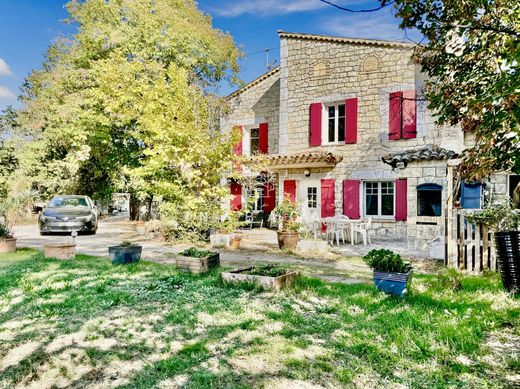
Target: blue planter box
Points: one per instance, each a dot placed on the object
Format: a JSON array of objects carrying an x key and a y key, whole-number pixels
[
  {"x": 121, "y": 255},
  {"x": 392, "y": 283}
]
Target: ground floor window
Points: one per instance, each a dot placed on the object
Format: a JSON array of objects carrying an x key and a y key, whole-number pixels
[
  {"x": 429, "y": 200},
  {"x": 312, "y": 197},
  {"x": 258, "y": 194},
  {"x": 379, "y": 198}
]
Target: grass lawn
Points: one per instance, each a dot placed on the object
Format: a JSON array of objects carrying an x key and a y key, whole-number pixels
[{"x": 86, "y": 323}]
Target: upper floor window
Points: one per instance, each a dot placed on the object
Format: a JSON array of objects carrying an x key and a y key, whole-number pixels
[
  {"x": 429, "y": 200},
  {"x": 335, "y": 123},
  {"x": 254, "y": 138},
  {"x": 379, "y": 198}
]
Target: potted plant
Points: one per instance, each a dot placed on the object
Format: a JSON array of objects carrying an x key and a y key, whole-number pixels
[
  {"x": 287, "y": 214},
  {"x": 197, "y": 261},
  {"x": 126, "y": 252},
  {"x": 392, "y": 275},
  {"x": 12, "y": 210},
  {"x": 264, "y": 276},
  {"x": 504, "y": 221}
]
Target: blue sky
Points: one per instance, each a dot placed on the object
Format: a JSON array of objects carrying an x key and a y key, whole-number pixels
[{"x": 27, "y": 27}]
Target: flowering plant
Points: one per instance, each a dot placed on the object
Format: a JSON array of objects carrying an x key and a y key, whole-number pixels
[
  {"x": 287, "y": 213},
  {"x": 500, "y": 216}
]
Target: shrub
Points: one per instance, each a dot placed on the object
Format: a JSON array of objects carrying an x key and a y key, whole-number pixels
[
  {"x": 287, "y": 213},
  {"x": 449, "y": 279},
  {"x": 182, "y": 223},
  {"x": 195, "y": 253},
  {"x": 386, "y": 261}
]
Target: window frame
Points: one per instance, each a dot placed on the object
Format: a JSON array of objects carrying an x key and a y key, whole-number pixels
[
  {"x": 326, "y": 119},
  {"x": 308, "y": 199},
  {"x": 435, "y": 188},
  {"x": 379, "y": 199},
  {"x": 260, "y": 201}
]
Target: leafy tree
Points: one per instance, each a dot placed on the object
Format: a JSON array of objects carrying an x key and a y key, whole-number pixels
[
  {"x": 471, "y": 55},
  {"x": 123, "y": 103}
]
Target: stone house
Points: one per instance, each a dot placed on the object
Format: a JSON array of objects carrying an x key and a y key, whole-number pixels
[{"x": 342, "y": 129}]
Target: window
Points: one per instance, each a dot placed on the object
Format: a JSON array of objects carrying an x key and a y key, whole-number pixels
[
  {"x": 312, "y": 197},
  {"x": 379, "y": 199},
  {"x": 255, "y": 141},
  {"x": 258, "y": 193},
  {"x": 336, "y": 123},
  {"x": 429, "y": 200}
]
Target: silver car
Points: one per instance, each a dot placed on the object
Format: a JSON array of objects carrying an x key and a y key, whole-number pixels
[{"x": 67, "y": 214}]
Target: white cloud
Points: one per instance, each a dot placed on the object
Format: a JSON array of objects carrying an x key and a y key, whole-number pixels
[
  {"x": 232, "y": 8},
  {"x": 4, "y": 68},
  {"x": 5, "y": 93},
  {"x": 374, "y": 25}
]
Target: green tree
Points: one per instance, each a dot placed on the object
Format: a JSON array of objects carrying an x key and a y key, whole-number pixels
[
  {"x": 471, "y": 55},
  {"x": 123, "y": 103}
]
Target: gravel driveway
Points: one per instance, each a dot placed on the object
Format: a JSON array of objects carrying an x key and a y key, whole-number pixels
[{"x": 114, "y": 230}]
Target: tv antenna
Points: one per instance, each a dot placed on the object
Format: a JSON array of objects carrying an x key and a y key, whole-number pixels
[{"x": 268, "y": 65}]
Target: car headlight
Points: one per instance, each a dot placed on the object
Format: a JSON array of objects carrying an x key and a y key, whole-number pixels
[
  {"x": 44, "y": 218},
  {"x": 86, "y": 218}
]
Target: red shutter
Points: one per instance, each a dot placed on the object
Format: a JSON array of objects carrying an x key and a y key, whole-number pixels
[
  {"x": 263, "y": 134},
  {"x": 409, "y": 115},
  {"x": 327, "y": 197},
  {"x": 269, "y": 197},
  {"x": 238, "y": 147},
  {"x": 401, "y": 199},
  {"x": 351, "y": 198},
  {"x": 289, "y": 187},
  {"x": 236, "y": 196},
  {"x": 351, "y": 114},
  {"x": 316, "y": 110},
  {"x": 395, "y": 116}
]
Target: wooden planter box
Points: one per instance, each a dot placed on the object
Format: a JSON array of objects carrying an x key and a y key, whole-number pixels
[
  {"x": 266, "y": 282},
  {"x": 60, "y": 250},
  {"x": 8, "y": 245},
  {"x": 197, "y": 265}
]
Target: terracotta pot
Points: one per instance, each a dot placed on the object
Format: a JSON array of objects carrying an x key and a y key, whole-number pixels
[
  {"x": 8, "y": 245},
  {"x": 288, "y": 240},
  {"x": 60, "y": 250},
  {"x": 236, "y": 238}
]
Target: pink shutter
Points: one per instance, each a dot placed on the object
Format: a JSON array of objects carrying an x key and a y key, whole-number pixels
[
  {"x": 316, "y": 110},
  {"x": 351, "y": 199},
  {"x": 401, "y": 199},
  {"x": 351, "y": 114},
  {"x": 409, "y": 114},
  {"x": 263, "y": 142},
  {"x": 289, "y": 188},
  {"x": 394, "y": 116},
  {"x": 327, "y": 197},
  {"x": 269, "y": 197},
  {"x": 236, "y": 196},
  {"x": 238, "y": 147}
]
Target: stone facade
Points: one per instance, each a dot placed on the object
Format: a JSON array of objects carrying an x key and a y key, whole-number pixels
[
  {"x": 329, "y": 70},
  {"x": 257, "y": 102}
]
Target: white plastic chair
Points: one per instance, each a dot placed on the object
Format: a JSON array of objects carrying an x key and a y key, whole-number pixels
[
  {"x": 362, "y": 229},
  {"x": 343, "y": 225}
]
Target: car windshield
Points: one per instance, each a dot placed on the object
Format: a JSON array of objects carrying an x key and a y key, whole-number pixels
[{"x": 68, "y": 202}]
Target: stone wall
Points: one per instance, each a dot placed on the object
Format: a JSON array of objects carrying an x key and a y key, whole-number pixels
[{"x": 257, "y": 104}]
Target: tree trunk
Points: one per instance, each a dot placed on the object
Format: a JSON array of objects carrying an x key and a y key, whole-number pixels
[
  {"x": 134, "y": 205},
  {"x": 149, "y": 204},
  {"x": 516, "y": 197}
]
